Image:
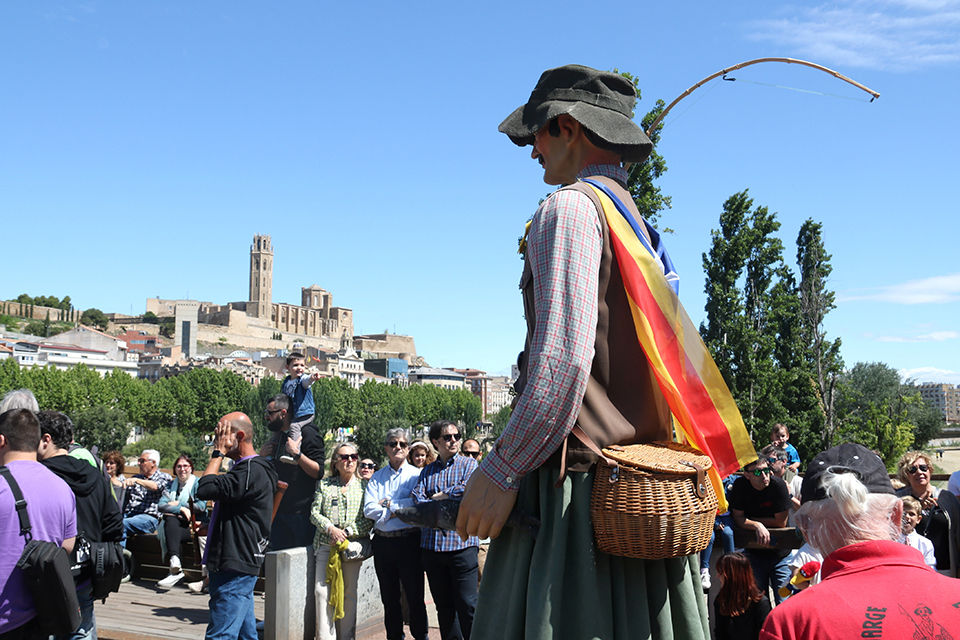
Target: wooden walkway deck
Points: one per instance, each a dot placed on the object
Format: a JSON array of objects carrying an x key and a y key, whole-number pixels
[{"x": 141, "y": 611}]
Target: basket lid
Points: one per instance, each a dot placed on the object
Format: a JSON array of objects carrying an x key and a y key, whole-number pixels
[{"x": 665, "y": 457}]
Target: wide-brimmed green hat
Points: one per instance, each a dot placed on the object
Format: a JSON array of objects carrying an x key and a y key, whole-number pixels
[{"x": 599, "y": 100}]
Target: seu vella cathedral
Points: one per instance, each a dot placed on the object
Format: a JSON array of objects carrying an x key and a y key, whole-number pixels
[{"x": 258, "y": 323}]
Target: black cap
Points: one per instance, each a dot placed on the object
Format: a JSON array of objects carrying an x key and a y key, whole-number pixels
[{"x": 846, "y": 458}]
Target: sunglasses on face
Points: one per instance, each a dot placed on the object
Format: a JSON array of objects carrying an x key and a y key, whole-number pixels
[
  {"x": 367, "y": 465},
  {"x": 451, "y": 437},
  {"x": 761, "y": 472},
  {"x": 472, "y": 454},
  {"x": 396, "y": 444},
  {"x": 349, "y": 456},
  {"x": 269, "y": 413},
  {"x": 142, "y": 460},
  {"x": 915, "y": 467},
  {"x": 772, "y": 461}
]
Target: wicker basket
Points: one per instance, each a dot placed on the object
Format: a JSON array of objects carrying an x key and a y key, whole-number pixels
[{"x": 653, "y": 510}]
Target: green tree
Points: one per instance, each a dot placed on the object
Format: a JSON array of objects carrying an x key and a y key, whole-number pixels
[
  {"x": 822, "y": 356},
  {"x": 648, "y": 197},
  {"x": 171, "y": 443},
  {"x": 370, "y": 433},
  {"x": 107, "y": 428},
  {"x": 151, "y": 318},
  {"x": 255, "y": 406},
  {"x": 94, "y": 318},
  {"x": 746, "y": 308},
  {"x": 35, "y": 328},
  {"x": 500, "y": 420},
  {"x": 337, "y": 405}
]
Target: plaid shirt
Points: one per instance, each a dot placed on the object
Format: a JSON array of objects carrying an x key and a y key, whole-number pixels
[
  {"x": 564, "y": 246},
  {"x": 342, "y": 509},
  {"x": 142, "y": 500},
  {"x": 449, "y": 478}
]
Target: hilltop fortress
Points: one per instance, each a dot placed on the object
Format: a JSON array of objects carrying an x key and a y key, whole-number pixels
[{"x": 259, "y": 323}]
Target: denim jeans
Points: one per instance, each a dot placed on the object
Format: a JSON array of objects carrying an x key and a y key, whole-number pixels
[
  {"x": 88, "y": 622},
  {"x": 138, "y": 523},
  {"x": 726, "y": 537},
  {"x": 231, "y": 607},
  {"x": 770, "y": 572}
]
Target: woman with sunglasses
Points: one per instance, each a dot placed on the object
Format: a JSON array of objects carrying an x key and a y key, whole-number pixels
[
  {"x": 940, "y": 516},
  {"x": 337, "y": 513},
  {"x": 366, "y": 468}
]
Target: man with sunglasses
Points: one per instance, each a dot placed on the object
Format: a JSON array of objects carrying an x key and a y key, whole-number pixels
[
  {"x": 141, "y": 512},
  {"x": 451, "y": 564},
  {"x": 759, "y": 500},
  {"x": 396, "y": 545},
  {"x": 292, "y": 526},
  {"x": 471, "y": 448}
]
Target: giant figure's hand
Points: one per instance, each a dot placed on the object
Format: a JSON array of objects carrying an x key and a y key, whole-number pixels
[{"x": 484, "y": 508}]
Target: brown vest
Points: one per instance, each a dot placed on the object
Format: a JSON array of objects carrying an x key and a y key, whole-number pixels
[{"x": 622, "y": 404}]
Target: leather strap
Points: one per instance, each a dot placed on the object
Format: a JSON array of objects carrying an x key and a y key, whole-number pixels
[
  {"x": 21, "y": 503},
  {"x": 585, "y": 439}
]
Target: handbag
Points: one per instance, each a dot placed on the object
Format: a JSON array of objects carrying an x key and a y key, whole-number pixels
[
  {"x": 106, "y": 560},
  {"x": 46, "y": 567},
  {"x": 357, "y": 550},
  {"x": 651, "y": 501}
]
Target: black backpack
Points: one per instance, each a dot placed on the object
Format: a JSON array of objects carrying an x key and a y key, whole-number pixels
[
  {"x": 102, "y": 562},
  {"x": 46, "y": 567}
]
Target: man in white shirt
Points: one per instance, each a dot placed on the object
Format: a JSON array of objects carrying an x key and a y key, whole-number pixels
[{"x": 396, "y": 545}]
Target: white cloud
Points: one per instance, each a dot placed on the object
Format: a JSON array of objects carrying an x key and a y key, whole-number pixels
[
  {"x": 931, "y": 374},
  {"x": 895, "y": 35},
  {"x": 936, "y": 336},
  {"x": 934, "y": 290}
]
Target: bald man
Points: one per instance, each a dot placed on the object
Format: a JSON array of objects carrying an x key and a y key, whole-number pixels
[{"x": 239, "y": 526}]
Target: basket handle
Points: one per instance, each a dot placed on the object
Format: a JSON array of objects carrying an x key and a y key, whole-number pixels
[{"x": 700, "y": 486}]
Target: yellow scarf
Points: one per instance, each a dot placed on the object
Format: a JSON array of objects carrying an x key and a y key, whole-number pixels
[{"x": 335, "y": 578}]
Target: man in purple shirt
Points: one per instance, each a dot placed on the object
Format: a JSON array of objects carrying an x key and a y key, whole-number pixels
[{"x": 52, "y": 510}]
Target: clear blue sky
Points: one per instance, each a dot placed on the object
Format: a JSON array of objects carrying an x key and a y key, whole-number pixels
[{"x": 145, "y": 143}]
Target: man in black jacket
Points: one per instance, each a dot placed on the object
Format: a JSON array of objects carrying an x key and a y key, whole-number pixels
[
  {"x": 292, "y": 526},
  {"x": 239, "y": 527},
  {"x": 98, "y": 514}
]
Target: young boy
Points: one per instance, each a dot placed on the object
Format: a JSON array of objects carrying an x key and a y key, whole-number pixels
[
  {"x": 779, "y": 436},
  {"x": 911, "y": 518},
  {"x": 296, "y": 386}
]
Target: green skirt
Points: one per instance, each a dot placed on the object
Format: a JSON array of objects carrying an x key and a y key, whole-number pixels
[{"x": 560, "y": 586}]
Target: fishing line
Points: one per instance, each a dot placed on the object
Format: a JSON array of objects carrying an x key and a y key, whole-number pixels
[{"x": 780, "y": 86}]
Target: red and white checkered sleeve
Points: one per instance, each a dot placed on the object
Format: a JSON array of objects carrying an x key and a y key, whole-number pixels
[{"x": 564, "y": 247}]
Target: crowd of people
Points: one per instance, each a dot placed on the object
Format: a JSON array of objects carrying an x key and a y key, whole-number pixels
[{"x": 911, "y": 513}]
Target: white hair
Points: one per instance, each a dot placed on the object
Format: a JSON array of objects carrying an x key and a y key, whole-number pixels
[
  {"x": 849, "y": 514},
  {"x": 19, "y": 399},
  {"x": 152, "y": 454}
]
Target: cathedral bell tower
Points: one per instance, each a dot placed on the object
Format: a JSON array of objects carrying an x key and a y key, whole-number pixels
[{"x": 261, "y": 277}]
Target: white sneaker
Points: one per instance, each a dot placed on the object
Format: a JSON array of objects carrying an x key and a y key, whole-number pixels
[
  {"x": 174, "y": 563},
  {"x": 705, "y": 579},
  {"x": 287, "y": 459},
  {"x": 196, "y": 587},
  {"x": 170, "y": 580}
]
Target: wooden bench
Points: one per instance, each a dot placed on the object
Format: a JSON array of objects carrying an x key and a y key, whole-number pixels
[{"x": 149, "y": 563}]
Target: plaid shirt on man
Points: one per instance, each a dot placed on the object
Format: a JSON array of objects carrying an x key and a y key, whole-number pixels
[
  {"x": 141, "y": 500},
  {"x": 564, "y": 247},
  {"x": 449, "y": 478}
]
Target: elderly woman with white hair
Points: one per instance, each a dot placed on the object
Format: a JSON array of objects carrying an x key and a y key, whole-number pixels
[{"x": 872, "y": 585}]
